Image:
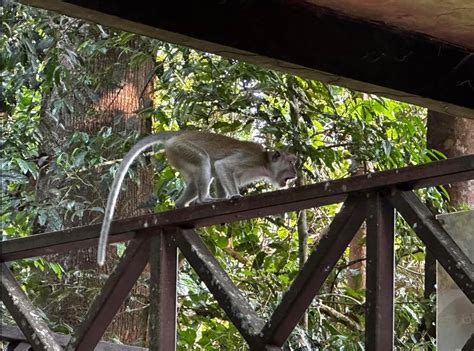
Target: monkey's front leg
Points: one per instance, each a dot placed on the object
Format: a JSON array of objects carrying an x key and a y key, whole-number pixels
[
  {"x": 225, "y": 177},
  {"x": 221, "y": 193}
]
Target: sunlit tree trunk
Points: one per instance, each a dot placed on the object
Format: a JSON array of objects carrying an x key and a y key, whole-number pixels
[
  {"x": 453, "y": 137},
  {"x": 133, "y": 94},
  {"x": 357, "y": 254},
  {"x": 116, "y": 107}
]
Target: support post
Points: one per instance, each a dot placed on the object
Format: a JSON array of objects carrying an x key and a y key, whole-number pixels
[
  {"x": 162, "y": 314},
  {"x": 116, "y": 289},
  {"x": 380, "y": 272},
  {"x": 25, "y": 314},
  {"x": 429, "y": 319}
]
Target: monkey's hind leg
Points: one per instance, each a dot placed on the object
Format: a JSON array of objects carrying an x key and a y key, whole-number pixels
[
  {"x": 194, "y": 165},
  {"x": 188, "y": 195}
]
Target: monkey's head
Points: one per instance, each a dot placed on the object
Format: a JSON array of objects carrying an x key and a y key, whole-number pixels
[{"x": 283, "y": 167}]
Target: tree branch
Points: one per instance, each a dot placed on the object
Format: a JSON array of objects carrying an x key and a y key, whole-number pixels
[{"x": 339, "y": 317}]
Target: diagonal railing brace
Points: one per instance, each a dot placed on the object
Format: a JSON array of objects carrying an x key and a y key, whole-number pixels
[
  {"x": 219, "y": 284},
  {"x": 114, "y": 292},
  {"x": 315, "y": 271},
  {"x": 437, "y": 240},
  {"x": 25, "y": 314}
]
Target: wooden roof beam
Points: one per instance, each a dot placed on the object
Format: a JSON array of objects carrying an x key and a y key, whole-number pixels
[{"x": 303, "y": 39}]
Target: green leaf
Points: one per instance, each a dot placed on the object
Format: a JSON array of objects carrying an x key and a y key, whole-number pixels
[
  {"x": 42, "y": 217},
  {"x": 222, "y": 242},
  {"x": 259, "y": 259},
  {"x": 13, "y": 177},
  {"x": 121, "y": 247},
  {"x": 56, "y": 268},
  {"x": 9, "y": 230},
  {"x": 28, "y": 166},
  {"x": 79, "y": 159}
]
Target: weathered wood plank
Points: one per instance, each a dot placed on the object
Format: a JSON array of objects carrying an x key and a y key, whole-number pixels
[
  {"x": 56, "y": 242},
  {"x": 25, "y": 314}
]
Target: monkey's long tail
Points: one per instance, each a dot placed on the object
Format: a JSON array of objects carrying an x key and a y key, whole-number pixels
[{"x": 130, "y": 156}]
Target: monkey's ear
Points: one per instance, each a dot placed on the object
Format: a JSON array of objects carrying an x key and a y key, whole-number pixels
[{"x": 276, "y": 155}]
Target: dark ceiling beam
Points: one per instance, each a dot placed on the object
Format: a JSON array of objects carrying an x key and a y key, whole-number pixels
[{"x": 297, "y": 37}]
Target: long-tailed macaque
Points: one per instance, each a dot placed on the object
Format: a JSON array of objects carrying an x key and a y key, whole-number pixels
[{"x": 200, "y": 157}]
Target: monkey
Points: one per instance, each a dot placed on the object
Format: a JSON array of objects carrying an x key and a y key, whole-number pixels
[{"x": 200, "y": 157}]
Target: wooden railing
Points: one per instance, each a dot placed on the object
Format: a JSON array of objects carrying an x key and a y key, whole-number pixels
[{"x": 156, "y": 238}]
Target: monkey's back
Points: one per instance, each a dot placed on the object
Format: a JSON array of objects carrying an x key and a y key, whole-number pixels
[{"x": 218, "y": 146}]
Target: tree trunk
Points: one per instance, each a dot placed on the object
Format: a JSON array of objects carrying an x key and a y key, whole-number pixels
[
  {"x": 357, "y": 254},
  {"x": 453, "y": 136},
  {"x": 116, "y": 107},
  {"x": 134, "y": 93},
  {"x": 357, "y": 251}
]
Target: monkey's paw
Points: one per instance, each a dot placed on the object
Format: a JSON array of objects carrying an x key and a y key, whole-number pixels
[
  {"x": 235, "y": 198},
  {"x": 208, "y": 200}
]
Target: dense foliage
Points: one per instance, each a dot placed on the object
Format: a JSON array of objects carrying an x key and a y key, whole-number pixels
[{"x": 45, "y": 65}]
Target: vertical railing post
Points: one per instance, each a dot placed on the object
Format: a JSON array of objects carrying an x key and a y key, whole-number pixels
[
  {"x": 163, "y": 278},
  {"x": 379, "y": 312}
]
